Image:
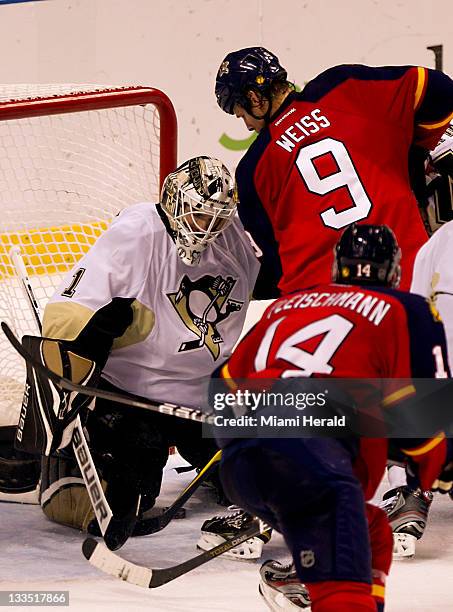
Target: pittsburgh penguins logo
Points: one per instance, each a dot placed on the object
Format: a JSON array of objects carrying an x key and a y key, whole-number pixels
[{"x": 202, "y": 304}]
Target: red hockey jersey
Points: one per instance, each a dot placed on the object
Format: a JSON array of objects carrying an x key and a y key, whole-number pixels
[
  {"x": 337, "y": 153},
  {"x": 352, "y": 333}
]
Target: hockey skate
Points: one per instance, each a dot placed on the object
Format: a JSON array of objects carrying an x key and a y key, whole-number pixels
[
  {"x": 281, "y": 589},
  {"x": 216, "y": 530},
  {"x": 407, "y": 510}
]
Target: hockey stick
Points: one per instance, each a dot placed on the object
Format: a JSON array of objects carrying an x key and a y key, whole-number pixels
[
  {"x": 182, "y": 412},
  {"x": 21, "y": 271},
  {"x": 101, "y": 508},
  {"x": 148, "y": 526},
  {"x": 111, "y": 563},
  {"x": 154, "y": 524}
]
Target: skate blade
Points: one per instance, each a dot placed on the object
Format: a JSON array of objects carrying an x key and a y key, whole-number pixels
[
  {"x": 250, "y": 550},
  {"x": 403, "y": 546},
  {"x": 277, "y": 602}
]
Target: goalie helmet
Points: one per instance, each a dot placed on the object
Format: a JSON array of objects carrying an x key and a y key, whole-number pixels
[
  {"x": 367, "y": 255},
  {"x": 253, "y": 68},
  {"x": 198, "y": 202}
]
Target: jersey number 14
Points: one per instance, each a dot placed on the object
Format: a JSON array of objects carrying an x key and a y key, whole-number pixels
[{"x": 334, "y": 329}]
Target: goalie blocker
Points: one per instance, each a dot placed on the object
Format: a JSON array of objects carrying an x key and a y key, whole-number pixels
[
  {"x": 47, "y": 425},
  {"x": 46, "y": 420},
  {"x": 47, "y": 415}
]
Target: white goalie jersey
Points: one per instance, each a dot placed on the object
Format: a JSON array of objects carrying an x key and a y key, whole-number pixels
[
  {"x": 433, "y": 278},
  {"x": 186, "y": 319},
  {"x": 433, "y": 268}
]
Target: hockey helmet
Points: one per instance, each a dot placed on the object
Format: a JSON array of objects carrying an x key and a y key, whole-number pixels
[
  {"x": 253, "y": 68},
  {"x": 198, "y": 201},
  {"x": 367, "y": 255}
]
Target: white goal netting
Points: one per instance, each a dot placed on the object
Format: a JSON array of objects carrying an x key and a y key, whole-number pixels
[{"x": 71, "y": 157}]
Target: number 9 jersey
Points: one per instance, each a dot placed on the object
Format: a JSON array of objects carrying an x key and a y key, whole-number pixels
[{"x": 338, "y": 153}]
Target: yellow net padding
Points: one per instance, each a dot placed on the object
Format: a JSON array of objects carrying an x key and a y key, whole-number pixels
[{"x": 49, "y": 250}]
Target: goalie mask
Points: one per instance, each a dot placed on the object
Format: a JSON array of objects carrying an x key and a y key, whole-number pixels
[
  {"x": 198, "y": 202},
  {"x": 367, "y": 255}
]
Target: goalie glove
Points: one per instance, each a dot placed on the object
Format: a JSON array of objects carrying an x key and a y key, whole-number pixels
[{"x": 47, "y": 416}]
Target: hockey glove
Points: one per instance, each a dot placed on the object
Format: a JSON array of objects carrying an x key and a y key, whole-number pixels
[{"x": 48, "y": 413}]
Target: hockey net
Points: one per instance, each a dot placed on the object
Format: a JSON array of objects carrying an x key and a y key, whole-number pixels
[{"x": 71, "y": 157}]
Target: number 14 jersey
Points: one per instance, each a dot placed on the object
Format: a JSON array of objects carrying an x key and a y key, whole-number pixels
[{"x": 381, "y": 340}]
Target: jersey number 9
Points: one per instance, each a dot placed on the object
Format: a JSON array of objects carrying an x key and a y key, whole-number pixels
[{"x": 346, "y": 177}]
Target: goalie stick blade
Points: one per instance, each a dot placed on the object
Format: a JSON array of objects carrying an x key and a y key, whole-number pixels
[{"x": 110, "y": 563}]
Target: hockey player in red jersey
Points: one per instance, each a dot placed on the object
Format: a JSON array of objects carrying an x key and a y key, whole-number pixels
[
  {"x": 314, "y": 490},
  {"x": 329, "y": 156}
]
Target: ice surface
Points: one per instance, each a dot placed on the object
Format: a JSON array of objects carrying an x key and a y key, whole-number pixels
[{"x": 37, "y": 554}]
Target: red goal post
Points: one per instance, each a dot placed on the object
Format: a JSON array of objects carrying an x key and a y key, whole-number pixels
[
  {"x": 102, "y": 99},
  {"x": 71, "y": 157}
]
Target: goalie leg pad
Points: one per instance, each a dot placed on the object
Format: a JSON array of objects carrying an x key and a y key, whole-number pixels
[
  {"x": 63, "y": 496},
  {"x": 130, "y": 453},
  {"x": 19, "y": 472}
]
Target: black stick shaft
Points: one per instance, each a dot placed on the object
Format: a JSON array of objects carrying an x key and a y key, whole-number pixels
[{"x": 182, "y": 412}]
